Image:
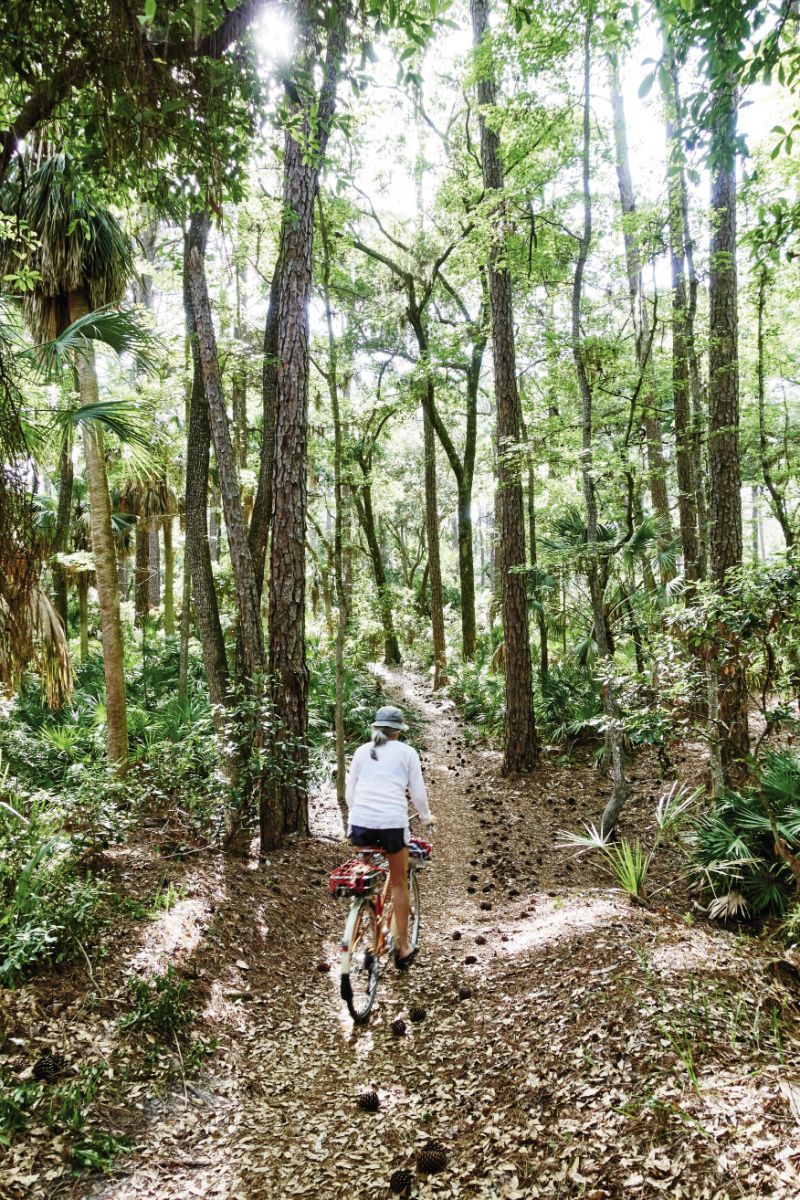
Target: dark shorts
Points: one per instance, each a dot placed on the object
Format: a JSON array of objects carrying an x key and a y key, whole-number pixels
[{"x": 389, "y": 840}]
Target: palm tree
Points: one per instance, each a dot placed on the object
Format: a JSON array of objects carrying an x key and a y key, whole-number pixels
[
  {"x": 152, "y": 501},
  {"x": 82, "y": 261}
]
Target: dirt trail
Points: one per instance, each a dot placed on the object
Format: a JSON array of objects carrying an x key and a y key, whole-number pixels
[{"x": 605, "y": 1051}]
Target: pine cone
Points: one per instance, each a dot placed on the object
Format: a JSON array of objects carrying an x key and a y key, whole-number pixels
[
  {"x": 399, "y": 1027},
  {"x": 369, "y": 1101},
  {"x": 431, "y": 1158},
  {"x": 48, "y": 1066},
  {"x": 400, "y": 1183},
  {"x": 417, "y": 1013}
]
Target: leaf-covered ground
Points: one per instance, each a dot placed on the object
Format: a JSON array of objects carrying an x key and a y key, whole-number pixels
[{"x": 605, "y": 1050}]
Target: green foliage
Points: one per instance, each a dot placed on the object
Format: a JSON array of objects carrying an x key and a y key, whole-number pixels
[
  {"x": 160, "y": 1005},
  {"x": 65, "y": 1108},
  {"x": 479, "y": 691},
  {"x": 629, "y": 865},
  {"x": 49, "y": 907},
  {"x": 98, "y": 1151},
  {"x": 570, "y": 704},
  {"x": 735, "y": 862}
]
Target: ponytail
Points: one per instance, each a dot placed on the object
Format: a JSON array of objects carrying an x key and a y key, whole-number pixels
[{"x": 379, "y": 738}]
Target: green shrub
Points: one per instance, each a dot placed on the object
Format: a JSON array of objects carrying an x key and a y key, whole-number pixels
[
  {"x": 570, "y": 706},
  {"x": 479, "y": 691},
  {"x": 735, "y": 861},
  {"x": 48, "y": 907},
  {"x": 160, "y": 1004}
]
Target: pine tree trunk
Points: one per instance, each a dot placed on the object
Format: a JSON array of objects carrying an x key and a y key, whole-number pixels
[
  {"x": 154, "y": 563},
  {"x": 684, "y": 451},
  {"x": 657, "y": 470},
  {"x": 287, "y": 796},
  {"x": 258, "y": 534},
  {"x": 725, "y": 541},
  {"x": 104, "y": 556},
  {"x": 247, "y": 597},
  {"x": 169, "y": 577},
  {"x": 521, "y": 749},
  {"x": 198, "y": 453},
  {"x": 141, "y": 573},
  {"x": 340, "y": 520},
  {"x": 434, "y": 565}
]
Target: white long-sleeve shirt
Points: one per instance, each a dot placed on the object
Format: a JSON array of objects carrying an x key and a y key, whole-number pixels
[{"x": 376, "y": 789}]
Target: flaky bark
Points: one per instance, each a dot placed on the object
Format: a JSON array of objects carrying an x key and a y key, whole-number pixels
[
  {"x": 684, "y": 449},
  {"x": 198, "y": 452},
  {"x": 169, "y": 577},
  {"x": 247, "y": 597},
  {"x": 521, "y": 749},
  {"x": 285, "y": 806},
  {"x": 258, "y": 535},
  {"x": 141, "y": 573},
  {"x": 725, "y": 541}
]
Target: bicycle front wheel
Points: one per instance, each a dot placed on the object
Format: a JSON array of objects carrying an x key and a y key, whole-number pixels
[
  {"x": 415, "y": 913},
  {"x": 359, "y": 963}
]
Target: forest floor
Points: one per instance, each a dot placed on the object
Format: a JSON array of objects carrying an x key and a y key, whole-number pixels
[{"x": 606, "y": 1050}]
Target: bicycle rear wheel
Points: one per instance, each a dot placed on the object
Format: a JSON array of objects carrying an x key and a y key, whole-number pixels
[
  {"x": 359, "y": 964},
  {"x": 415, "y": 913}
]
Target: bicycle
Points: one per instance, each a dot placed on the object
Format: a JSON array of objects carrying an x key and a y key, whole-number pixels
[{"x": 369, "y": 931}]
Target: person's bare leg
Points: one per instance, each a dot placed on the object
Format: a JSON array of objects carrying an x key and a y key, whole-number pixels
[{"x": 398, "y": 877}]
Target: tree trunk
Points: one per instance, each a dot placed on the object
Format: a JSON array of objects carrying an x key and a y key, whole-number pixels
[
  {"x": 82, "y": 586},
  {"x": 521, "y": 749},
  {"x": 777, "y": 497},
  {"x": 169, "y": 577},
  {"x": 247, "y": 597},
  {"x": 340, "y": 563},
  {"x": 541, "y": 619},
  {"x": 595, "y": 569},
  {"x": 723, "y": 415},
  {"x": 391, "y": 649},
  {"x": 198, "y": 451},
  {"x": 154, "y": 563},
  {"x": 434, "y": 565},
  {"x": 141, "y": 573},
  {"x": 308, "y": 125},
  {"x": 104, "y": 557},
  {"x": 258, "y": 535},
  {"x": 657, "y": 470},
  {"x": 684, "y": 449},
  {"x": 61, "y": 535}
]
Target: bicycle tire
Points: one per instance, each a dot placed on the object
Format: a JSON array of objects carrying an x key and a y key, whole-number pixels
[
  {"x": 359, "y": 967},
  {"x": 415, "y": 914}
]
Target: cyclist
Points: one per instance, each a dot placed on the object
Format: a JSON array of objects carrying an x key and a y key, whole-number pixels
[{"x": 380, "y": 774}]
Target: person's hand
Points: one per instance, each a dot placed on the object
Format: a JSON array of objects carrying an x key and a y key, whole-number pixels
[{"x": 428, "y": 821}]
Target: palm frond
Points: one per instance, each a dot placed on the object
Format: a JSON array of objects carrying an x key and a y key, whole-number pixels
[
  {"x": 129, "y": 422},
  {"x": 123, "y": 331},
  {"x": 72, "y": 246}
]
